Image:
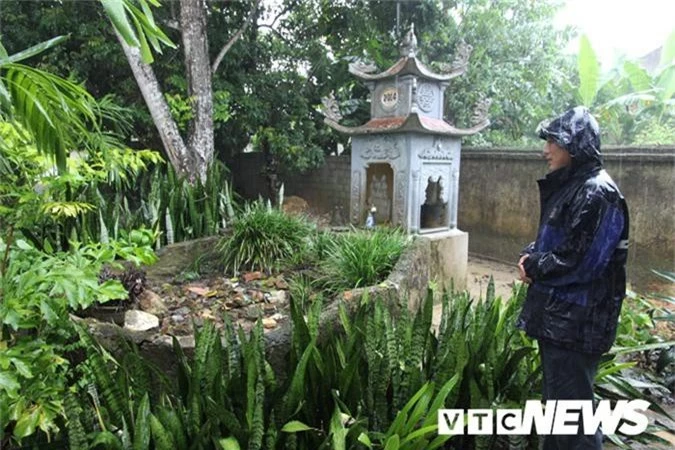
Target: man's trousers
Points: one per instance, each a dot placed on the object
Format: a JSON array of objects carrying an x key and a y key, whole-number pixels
[{"x": 569, "y": 375}]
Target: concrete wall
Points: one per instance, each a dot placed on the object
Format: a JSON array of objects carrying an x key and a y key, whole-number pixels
[
  {"x": 499, "y": 204},
  {"x": 498, "y": 198}
]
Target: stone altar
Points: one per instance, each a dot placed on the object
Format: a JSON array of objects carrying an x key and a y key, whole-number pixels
[{"x": 405, "y": 159}]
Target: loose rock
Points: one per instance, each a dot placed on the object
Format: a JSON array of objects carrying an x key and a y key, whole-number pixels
[
  {"x": 269, "y": 323},
  {"x": 278, "y": 297},
  {"x": 152, "y": 303},
  {"x": 253, "y": 312},
  {"x": 136, "y": 320},
  {"x": 252, "y": 276}
]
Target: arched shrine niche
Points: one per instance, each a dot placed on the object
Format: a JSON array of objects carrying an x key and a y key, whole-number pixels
[
  {"x": 434, "y": 210},
  {"x": 380, "y": 191}
]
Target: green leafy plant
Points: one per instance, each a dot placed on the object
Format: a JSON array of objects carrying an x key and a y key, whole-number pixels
[
  {"x": 39, "y": 290},
  {"x": 183, "y": 209},
  {"x": 618, "y": 380},
  {"x": 636, "y": 322},
  {"x": 634, "y": 105},
  {"x": 416, "y": 425},
  {"x": 262, "y": 238},
  {"x": 226, "y": 396},
  {"x": 589, "y": 72},
  {"x": 360, "y": 258},
  {"x": 664, "y": 314},
  {"x": 382, "y": 356}
]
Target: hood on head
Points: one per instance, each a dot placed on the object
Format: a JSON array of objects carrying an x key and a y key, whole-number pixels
[{"x": 577, "y": 131}]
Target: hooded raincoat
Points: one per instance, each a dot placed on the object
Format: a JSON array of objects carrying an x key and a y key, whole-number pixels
[{"x": 577, "y": 263}]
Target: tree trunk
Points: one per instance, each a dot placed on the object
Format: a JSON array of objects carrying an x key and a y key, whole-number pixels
[
  {"x": 159, "y": 110},
  {"x": 200, "y": 90},
  {"x": 271, "y": 172}
]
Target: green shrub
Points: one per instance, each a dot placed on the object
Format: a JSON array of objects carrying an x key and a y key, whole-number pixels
[
  {"x": 263, "y": 239},
  {"x": 321, "y": 245},
  {"x": 362, "y": 258},
  {"x": 636, "y": 325},
  {"x": 38, "y": 291}
]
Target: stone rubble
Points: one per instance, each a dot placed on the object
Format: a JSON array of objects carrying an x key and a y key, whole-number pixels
[{"x": 246, "y": 299}]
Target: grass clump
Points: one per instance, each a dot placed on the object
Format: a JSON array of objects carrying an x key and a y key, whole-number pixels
[
  {"x": 362, "y": 258},
  {"x": 263, "y": 238}
]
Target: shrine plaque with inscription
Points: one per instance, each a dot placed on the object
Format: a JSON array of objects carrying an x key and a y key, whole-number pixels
[{"x": 389, "y": 98}]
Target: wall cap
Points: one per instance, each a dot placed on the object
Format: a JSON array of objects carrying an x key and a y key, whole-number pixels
[{"x": 610, "y": 153}]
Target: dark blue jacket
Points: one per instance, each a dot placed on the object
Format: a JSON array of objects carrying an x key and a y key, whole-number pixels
[{"x": 577, "y": 262}]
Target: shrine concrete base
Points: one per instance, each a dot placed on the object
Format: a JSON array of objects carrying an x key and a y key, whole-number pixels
[
  {"x": 440, "y": 258},
  {"x": 449, "y": 258}
]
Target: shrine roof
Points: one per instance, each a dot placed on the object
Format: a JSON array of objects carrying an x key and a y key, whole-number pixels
[
  {"x": 408, "y": 65},
  {"x": 412, "y": 123}
]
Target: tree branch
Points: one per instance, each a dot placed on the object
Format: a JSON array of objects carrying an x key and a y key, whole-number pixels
[
  {"x": 236, "y": 36},
  {"x": 277, "y": 33},
  {"x": 281, "y": 13}
]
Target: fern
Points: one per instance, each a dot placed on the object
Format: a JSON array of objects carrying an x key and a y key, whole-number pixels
[
  {"x": 171, "y": 422},
  {"x": 142, "y": 425},
  {"x": 77, "y": 438},
  {"x": 257, "y": 430},
  {"x": 162, "y": 439}
]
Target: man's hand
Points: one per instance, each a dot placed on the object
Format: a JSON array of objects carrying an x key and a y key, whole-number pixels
[{"x": 521, "y": 270}]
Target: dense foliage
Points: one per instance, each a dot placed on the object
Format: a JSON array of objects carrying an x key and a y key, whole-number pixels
[
  {"x": 361, "y": 258},
  {"x": 268, "y": 86},
  {"x": 370, "y": 376},
  {"x": 335, "y": 394},
  {"x": 634, "y": 105},
  {"x": 266, "y": 239}
]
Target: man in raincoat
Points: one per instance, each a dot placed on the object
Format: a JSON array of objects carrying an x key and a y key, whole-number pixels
[{"x": 576, "y": 267}]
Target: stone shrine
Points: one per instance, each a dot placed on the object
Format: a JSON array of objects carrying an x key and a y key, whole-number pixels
[{"x": 405, "y": 160}]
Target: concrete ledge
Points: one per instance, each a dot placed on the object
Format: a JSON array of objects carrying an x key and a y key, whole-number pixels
[
  {"x": 439, "y": 257},
  {"x": 449, "y": 258}
]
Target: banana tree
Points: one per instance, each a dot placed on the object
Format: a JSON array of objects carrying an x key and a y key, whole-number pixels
[{"x": 634, "y": 99}]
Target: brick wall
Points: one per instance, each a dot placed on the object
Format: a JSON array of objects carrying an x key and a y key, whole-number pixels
[{"x": 323, "y": 188}]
